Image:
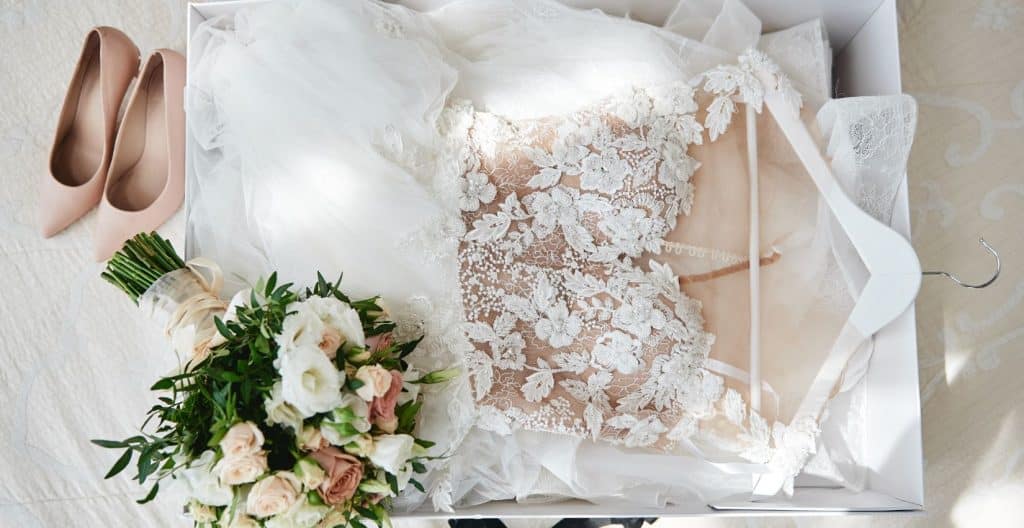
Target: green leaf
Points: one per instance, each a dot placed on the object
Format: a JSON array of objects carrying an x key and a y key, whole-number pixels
[
  {"x": 354, "y": 384},
  {"x": 120, "y": 464},
  {"x": 271, "y": 283},
  {"x": 418, "y": 467},
  {"x": 425, "y": 444},
  {"x": 109, "y": 444},
  {"x": 151, "y": 495},
  {"x": 162, "y": 384},
  {"x": 222, "y": 328},
  {"x": 365, "y": 512},
  {"x": 407, "y": 348},
  {"x": 417, "y": 485},
  {"x": 392, "y": 482}
]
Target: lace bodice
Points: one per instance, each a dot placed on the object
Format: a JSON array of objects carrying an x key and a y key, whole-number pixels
[
  {"x": 571, "y": 335},
  {"x": 576, "y": 328}
]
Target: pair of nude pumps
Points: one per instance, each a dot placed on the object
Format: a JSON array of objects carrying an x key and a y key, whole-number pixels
[{"x": 134, "y": 172}]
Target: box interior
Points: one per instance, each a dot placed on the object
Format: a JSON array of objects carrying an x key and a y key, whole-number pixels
[{"x": 864, "y": 38}]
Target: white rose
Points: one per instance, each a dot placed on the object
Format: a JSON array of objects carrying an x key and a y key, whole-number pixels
[
  {"x": 244, "y": 438},
  {"x": 376, "y": 381},
  {"x": 309, "y": 472},
  {"x": 242, "y": 469},
  {"x": 310, "y": 382},
  {"x": 391, "y": 452},
  {"x": 341, "y": 317},
  {"x": 273, "y": 495},
  {"x": 201, "y": 484},
  {"x": 302, "y": 514},
  {"x": 280, "y": 411}
]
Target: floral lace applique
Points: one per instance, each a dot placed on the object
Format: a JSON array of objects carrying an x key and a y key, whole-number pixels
[{"x": 575, "y": 327}]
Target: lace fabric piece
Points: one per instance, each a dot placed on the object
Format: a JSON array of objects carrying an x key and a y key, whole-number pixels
[{"x": 571, "y": 335}]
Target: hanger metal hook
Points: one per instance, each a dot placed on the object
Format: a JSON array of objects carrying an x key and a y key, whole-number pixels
[{"x": 950, "y": 276}]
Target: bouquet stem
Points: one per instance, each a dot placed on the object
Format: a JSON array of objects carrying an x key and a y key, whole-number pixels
[{"x": 140, "y": 262}]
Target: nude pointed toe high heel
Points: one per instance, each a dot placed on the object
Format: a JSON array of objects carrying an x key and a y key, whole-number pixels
[
  {"x": 145, "y": 183},
  {"x": 84, "y": 139}
]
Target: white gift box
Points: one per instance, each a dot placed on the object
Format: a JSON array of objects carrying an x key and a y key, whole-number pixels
[{"x": 863, "y": 35}]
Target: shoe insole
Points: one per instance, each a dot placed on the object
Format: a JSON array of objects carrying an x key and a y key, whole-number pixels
[
  {"x": 144, "y": 180},
  {"x": 79, "y": 153}
]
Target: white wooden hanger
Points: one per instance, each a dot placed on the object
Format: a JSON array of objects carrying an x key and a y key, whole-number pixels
[{"x": 893, "y": 266}]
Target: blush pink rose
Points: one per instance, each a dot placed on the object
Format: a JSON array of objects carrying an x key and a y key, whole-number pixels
[
  {"x": 382, "y": 408},
  {"x": 344, "y": 472}
]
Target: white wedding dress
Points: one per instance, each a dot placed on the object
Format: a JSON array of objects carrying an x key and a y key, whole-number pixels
[{"x": 332, "y": 136}]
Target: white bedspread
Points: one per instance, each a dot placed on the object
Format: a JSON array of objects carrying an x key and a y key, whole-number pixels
[{"x": 76, "y": 359}]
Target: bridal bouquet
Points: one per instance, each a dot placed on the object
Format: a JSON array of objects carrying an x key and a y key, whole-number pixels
[{"x": 294, "y": 409}]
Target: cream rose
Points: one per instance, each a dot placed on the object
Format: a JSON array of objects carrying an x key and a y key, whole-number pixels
[
  {"x": 310, "y": 382},
  {"x": 376, "y": 381},
  {"x": 241, "y": 469},
  {"x": 273, "y": 495},
  {"x": 391, "y": 452},
  {"x": 244, "y": 438}
]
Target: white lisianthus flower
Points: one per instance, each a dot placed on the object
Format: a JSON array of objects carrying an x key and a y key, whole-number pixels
[
  {"x": 202, "y": 484},
  {"x": 341, "y": 317},
  {"x": 404, "y": 475},
  {"x": 323, "y": 323},
  {"x": 309, "y": 381},
  {"x": 391, "y": 452},
  {"x": 280, "y": 411},
  {"x": 301, "y": 329}
]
